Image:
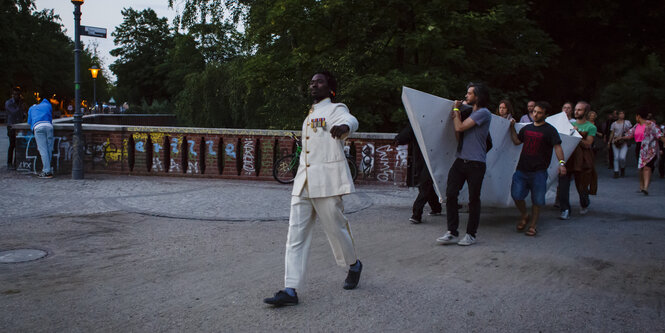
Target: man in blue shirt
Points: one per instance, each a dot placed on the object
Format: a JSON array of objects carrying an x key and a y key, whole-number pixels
[
  {"x": 40, "y": 118},
  {"x": 469, "y": 166}
]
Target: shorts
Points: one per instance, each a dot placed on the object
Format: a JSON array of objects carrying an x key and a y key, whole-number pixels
[{"x": 535, "y": 182}]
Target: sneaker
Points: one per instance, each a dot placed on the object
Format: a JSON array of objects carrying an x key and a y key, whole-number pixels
[
  {"x": 565, "y": 215},
  {"x": 415, "y": 220},
  {"x": 281, "y": 298},
  {"x": 45, "y": 175},
  {"x": 434, "y": 214},
  {"x": 353, "y": 277},
  {"x": 447, "y": 239},
  {"x": 467, "y": 240},
  {"x": 584, "y": 210}
]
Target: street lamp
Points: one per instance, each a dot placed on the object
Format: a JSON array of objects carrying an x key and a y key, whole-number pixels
[
  {"x": 94, "y": 70},
  {"x": 77, "y": 140}
]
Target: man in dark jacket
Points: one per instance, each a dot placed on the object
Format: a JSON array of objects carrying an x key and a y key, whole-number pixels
[
  {"x": 426, "y": 193},
  {"x": 15, "y": 108}
]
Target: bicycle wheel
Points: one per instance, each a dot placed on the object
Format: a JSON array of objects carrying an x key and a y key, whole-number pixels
[
  {"x": 285, "y": 169},
  {"x": 352, "y": 168}
]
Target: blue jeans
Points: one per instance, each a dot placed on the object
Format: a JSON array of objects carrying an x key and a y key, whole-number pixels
[
  {"x": 44, "y": 138},
  {"x": 535, "y": 181}
]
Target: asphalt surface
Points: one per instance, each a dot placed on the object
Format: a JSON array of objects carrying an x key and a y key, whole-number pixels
[{"x": 167, "y": 254}]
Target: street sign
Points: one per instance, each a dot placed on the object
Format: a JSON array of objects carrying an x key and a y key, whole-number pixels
[{"x": 93, "y": 31}]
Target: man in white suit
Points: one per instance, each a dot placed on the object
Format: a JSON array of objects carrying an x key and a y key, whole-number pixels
[{"x": 323, "y": 177}]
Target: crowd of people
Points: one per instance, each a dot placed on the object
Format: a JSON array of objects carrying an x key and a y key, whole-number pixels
[{"x": 540, "y": 140}]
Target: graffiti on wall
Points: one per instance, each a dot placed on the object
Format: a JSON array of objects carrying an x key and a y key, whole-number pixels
[
  {"x": 248, "y": 157},
  {"x": 62, "y": 150},
  {"x": 192, "y": 158},
  {"x": 367, "y": 162},
  {"x": 384, "y": 172},
  {"x": 175, "y": 153},
  {"x": 230, "y": 150}
]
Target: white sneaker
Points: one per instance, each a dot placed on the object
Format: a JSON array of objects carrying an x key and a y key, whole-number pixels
[
  {"x": 447, "y": 239},
  {"x": 467, "y": 240},
  {"x": 584, "y": 210}
]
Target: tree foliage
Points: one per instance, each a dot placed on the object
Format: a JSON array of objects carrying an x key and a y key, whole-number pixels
[
  {"x": 143, "y": 41},
  {"x": 37, "y": 55},
  {"x": 374, "y": 48}
]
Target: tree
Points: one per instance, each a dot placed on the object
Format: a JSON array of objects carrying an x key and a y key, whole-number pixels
[
  {"x": 36, "y": 53},
  {"x": 374, "y": 48},
  {"x": 143, "y": 42}
]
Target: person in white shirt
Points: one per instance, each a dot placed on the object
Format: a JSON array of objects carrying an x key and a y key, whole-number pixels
[{"x": 323, "y": 177}]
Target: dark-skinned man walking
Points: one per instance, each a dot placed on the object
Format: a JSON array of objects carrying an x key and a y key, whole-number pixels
[{"x": 323, "y": 177}]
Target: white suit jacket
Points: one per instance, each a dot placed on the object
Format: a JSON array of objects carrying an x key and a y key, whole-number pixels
[{"x": 323, "y": 169}]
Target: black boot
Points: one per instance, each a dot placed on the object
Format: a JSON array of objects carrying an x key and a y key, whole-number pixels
[
  {"x": 623, "y": 172},
  {"x": 616, "y": 175}
]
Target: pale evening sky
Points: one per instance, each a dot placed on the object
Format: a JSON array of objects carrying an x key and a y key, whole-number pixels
[{"x": 104, "y": 14}]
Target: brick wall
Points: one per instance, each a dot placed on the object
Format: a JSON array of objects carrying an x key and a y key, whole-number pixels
[{"x": 199, "y": 152}]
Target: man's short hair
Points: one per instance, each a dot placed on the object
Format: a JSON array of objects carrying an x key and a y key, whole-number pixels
[
  {"x": 482, "y": 92},
  {"x": 332, "y": 81},
  {"x": 545, "y": 106},
  {"x": 16, "y": 89}
]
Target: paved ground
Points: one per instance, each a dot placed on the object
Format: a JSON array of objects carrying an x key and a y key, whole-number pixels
[{"x": 176, "y": 254}]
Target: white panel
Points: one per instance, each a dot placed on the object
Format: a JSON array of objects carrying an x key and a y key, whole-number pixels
[{"x": 430, "y": 118}]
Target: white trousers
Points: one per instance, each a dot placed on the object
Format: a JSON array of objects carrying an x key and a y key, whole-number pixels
[
  {"x": 304, "y": 211},
  {"x": 619, "y": 156}
]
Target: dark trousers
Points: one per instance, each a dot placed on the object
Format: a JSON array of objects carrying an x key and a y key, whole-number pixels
[
  {"x": 564, "y": 193},
  {"x": 11, "y": 133},
  {"x": 471, "y": 172},
  {"x": 426, "y": 194}
]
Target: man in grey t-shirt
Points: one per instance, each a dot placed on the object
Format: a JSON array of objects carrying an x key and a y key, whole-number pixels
[{"x": 469, "y": 166}]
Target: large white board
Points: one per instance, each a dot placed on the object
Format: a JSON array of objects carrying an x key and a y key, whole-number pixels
[{"x": 430, "y": 118}]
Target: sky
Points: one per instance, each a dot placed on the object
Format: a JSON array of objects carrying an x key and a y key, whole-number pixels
[{"x": 104, "y": 14}]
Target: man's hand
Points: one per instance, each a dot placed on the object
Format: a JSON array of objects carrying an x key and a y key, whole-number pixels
[
  {"x": 562, "y": 170},
  {"x": 338, "y": 131}
]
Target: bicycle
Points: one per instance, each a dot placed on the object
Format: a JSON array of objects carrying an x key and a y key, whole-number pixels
[{"x": 284, "y": 170}]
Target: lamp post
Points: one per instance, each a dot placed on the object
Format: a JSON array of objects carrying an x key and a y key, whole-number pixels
[
  {"x": 77, "y": 140},
  {"x": 94, "y": 70}
]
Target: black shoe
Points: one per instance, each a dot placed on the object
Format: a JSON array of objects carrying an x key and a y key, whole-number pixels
[
  {"x": 415, "y": 220},
  {"x": 281, "y": 298},
  {"x": 45, "y": 175},
  {"x": 616, "y": 175},
  {"x": 353, "y": 278},
  {"x": 435, "y": 213}
]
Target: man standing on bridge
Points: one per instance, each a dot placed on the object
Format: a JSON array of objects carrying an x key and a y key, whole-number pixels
[{"x": 323, "y": 177}]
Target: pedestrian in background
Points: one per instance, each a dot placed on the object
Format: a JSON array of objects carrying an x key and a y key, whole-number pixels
[
  {"x": 505, "y": 109},
  {"x": 526, "y": 118},
  {"x": 645, "y": 133},
  {"x": 580, "y": 165},
  {"x": 618, "y": 129},
  {"x": 426, "y": 192},
  {"x": 15, "y": 108},
  {"x": 40, "y": 120}
]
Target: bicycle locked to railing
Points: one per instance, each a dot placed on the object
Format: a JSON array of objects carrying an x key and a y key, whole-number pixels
[{"x": 284, "y": 170}]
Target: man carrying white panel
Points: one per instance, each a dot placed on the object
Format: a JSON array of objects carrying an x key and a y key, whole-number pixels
[{"x": 470, "y": 165}]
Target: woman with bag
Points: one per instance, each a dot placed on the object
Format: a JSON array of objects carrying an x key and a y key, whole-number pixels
[
  {"x": 619, "y": 147},
  {"x": 645, "y": 133}
]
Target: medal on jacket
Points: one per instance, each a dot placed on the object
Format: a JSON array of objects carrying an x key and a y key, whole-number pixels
[{"x": 317, "y": 122}]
